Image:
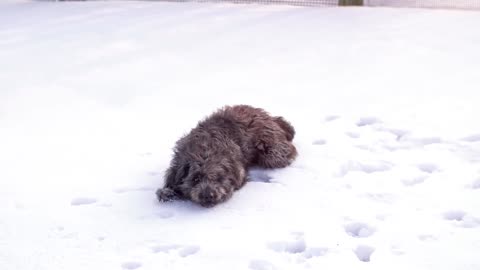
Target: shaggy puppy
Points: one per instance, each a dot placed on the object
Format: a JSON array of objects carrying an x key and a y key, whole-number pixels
[{"x": 211, "y": 162}]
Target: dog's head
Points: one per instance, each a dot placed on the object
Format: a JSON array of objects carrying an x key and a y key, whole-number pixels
[{"x": 211, "y": 183}]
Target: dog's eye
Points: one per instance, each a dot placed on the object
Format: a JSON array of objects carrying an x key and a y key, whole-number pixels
[{"x": 196, "y": 180}]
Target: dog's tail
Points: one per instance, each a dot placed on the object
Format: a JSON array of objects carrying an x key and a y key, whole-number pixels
[{"x": 286, "y": 126}]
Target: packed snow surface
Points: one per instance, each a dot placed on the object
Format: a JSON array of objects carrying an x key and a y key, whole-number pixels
[{"x": 93, "y": 96}]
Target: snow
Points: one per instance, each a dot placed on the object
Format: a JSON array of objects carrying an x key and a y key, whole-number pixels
[
  {"x": 464, "y": 4},
  {"x": 94, "y": 95}
]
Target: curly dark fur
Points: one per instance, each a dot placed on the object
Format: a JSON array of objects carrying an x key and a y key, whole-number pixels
[{"x": 211, "y": 162}]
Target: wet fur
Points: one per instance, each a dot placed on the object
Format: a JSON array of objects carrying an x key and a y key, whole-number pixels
[{"x": 211, "y": 162}]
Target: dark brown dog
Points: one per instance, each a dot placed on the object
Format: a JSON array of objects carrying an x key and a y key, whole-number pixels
[{"x": 211, "y": 162}]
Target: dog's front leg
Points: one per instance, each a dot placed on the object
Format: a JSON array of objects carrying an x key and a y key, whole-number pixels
[{"x": 166, "y": 194}]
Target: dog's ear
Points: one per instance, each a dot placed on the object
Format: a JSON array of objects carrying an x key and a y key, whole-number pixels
[
  {"x": 175, "y": 174},
  {"x": 182, "y": 173},
  {"x": 286, "y": 127},
  {"x": 170, "y": 175}
]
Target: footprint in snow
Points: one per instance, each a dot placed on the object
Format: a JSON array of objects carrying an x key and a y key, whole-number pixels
[
  {"x": 461, "y": 218},
  {"x": 387, "y": 198},
  {"x": 319, "y": 142},
  {"x": 330, "y": 118},
  {"x": 367, "y": 121},
  {"x": 398, "y": 133},
  {"x": 364, "y": 252},
  {"x": 82, "y": 201},
  {"x": 475, "y": 184},
  {"x": 315, "y": 252},
  {"x": 188, "y": 250},
  {"x": 261, "y": 265},
  {"x": 359, "y": 230},
  {"x": 427, "y": 141},
  {"x": 182, "y": 251},
  {"x": 456, "y": 215},
  {"x": 297, "y": 245},
  {"x": 414, "y": 181},
  {"x": 294, "y": 246},
  {"x": 131, "y": 265},
  {"x": 472, "y": 138},
  {"x": 353, "y": 135},
  {"x": 428, "y": 167},
  {"x": 371, "y": 167},
  {"x": 165, "y": 248}
]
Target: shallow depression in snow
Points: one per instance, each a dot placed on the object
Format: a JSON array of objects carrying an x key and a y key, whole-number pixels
[
  {"x": 364, "y": 252},
  {"x": 83, "y": 201}
]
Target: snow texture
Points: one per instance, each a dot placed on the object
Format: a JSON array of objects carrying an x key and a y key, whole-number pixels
[
  {"x": 385, "y": 103},
  {"x": 462, "y": 4}
]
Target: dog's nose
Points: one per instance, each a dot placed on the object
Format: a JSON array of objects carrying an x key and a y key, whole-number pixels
[{"x": 207, "y": 195}]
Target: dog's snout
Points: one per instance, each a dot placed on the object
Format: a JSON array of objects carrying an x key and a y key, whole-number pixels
[{"x": 207, "y": 195}]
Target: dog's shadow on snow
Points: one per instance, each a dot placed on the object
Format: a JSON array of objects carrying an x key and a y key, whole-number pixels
[
  {"x": 263, "y": 176},
  {"x": 259, "y": 175},
  {"x": 167, "y": 210}
]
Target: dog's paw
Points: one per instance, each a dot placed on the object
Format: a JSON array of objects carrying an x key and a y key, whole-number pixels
[{"x": 166, "y": 195}]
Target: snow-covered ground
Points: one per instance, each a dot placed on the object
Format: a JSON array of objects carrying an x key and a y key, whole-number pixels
[
  {"x": 93, "y": 95},
  {"x": 463, "y": 4}
]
